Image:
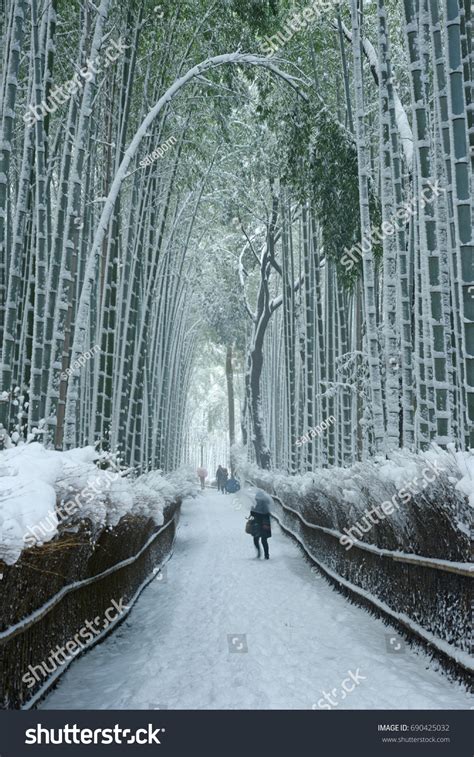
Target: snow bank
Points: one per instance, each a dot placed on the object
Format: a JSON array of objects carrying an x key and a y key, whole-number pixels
[
  {"x": 433, "y": 492},
  {"x": 466, "y": 467},
  {"x": 44, "y": 491}
]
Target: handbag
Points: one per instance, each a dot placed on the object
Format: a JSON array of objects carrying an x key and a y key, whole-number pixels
[{"x": 249, "y": 525}]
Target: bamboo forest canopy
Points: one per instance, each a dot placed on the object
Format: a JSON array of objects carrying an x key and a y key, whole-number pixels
[{"x": 284, "y": 187}]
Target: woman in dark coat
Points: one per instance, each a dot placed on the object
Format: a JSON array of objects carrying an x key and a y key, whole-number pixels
[
  {"x": 220, "y": 478},
  {"x": 225, "y": 478},
  {"x": 260, "y": 513}
]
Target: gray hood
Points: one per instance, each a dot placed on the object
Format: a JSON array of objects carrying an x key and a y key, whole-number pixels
[{"x": 263, "y": 502}]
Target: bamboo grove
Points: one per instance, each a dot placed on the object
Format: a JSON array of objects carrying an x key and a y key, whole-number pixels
[
  {"x": 333, "y": 178},
  {"x": 96, "y": 347}
]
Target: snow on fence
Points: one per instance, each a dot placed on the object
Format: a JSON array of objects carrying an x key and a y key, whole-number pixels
[
  {"x": 72, "y": 582},
  {"x": 75, "y": 540},
  {"x": 425, "y": 596}
]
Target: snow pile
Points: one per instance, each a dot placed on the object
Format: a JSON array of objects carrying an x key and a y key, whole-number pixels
[
  {"x": 43, "y": 492},
  {"x": 466, "y": 484},
  {"x": 433, "y": 493}
]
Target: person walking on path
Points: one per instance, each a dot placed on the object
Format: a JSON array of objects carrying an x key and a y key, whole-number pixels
[
  {"x": 225, "y": 478},
  {"x": 260, "y": 513},
  {"x": 202, "y": 475},
  {"x": 220, "y": 478}
]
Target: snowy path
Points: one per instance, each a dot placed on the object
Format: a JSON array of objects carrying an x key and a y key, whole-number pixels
[{"x": 303, "y": 637}]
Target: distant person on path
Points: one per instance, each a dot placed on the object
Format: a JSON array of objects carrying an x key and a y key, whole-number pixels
[
  {"x": 220, "y": 478},
  {"x": 202, "y": 475},
  {"x": 262, "y": 529},
  {"x": 232, "y": 485},
  {"x": 225, "y": 478}
]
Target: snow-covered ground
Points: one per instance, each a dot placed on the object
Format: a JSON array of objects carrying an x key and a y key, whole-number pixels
[{"x": 182, "y": 645}]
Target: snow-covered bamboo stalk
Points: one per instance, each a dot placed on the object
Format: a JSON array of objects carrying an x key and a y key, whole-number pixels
[{"x": 368, "y": 260}]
